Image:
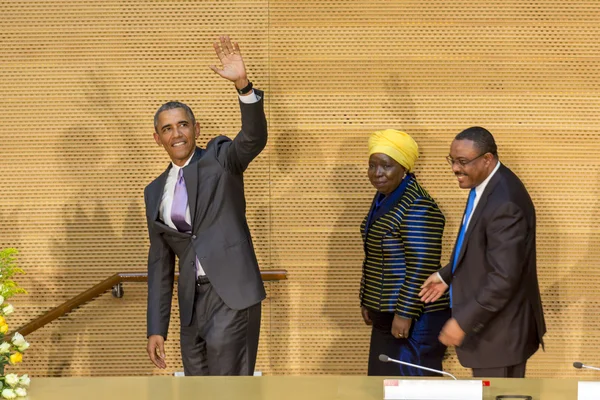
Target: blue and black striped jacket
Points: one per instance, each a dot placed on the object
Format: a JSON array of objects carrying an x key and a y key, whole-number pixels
[{"x": 403, "y": 246}]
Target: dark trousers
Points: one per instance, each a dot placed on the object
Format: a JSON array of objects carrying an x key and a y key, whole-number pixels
[
  {"x": 422, "y": 346},
  {"x": 513, "y": 371},
  {"x": 219, "y": 341}
]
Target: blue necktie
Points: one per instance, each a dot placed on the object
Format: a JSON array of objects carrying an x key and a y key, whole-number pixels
[{"x": 461, "y": 234}]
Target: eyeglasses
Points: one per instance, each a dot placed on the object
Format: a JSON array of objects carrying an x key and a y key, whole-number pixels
[{"x": 462, "y": 162}]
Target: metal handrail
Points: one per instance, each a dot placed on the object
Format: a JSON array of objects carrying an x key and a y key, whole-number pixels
[{"x": 115, "y": 283}]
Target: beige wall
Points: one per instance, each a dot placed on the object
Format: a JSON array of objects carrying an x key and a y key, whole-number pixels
[{"x": 80, "y": 81}]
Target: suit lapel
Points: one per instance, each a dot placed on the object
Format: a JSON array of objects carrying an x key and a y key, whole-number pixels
[
  {"x": 365, "y": 225},
  {"x": 157, "y": 192},
  {"x": 190, "y": 174},
  {"x": 479, "y": 211},
  {"x": 156, "y": 196},
  {"x": 389, "y": 203}
]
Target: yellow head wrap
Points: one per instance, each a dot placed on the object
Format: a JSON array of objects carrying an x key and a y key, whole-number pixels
[{"x": 396, "y": 144}]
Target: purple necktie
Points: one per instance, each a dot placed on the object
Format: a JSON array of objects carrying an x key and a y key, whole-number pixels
[
  {"x": 179, "y": 207},
  {"x": 180, "y": 203}
]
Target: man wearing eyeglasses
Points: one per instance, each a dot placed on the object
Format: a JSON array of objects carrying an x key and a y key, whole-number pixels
[{"x": 497, "y": 319}]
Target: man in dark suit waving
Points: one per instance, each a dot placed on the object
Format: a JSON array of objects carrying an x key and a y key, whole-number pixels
[
  {"x": 196, "y": 211},
  {"x": 497, "y": 318}
]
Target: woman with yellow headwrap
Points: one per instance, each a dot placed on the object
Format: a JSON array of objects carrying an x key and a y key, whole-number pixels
[{"x": 402, "y": 236}]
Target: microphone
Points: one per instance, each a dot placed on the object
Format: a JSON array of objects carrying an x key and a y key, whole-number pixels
[
  {"x": 384, "y": 358},
  {"x": 579, "y": 365}
]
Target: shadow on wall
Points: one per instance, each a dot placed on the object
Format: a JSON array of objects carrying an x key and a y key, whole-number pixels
[
  {"x": 104, "y": 230},
  {"x": 570, "y": 300},
  {"x": 292, "y": 156},
  {"x": 399, "y": 109},
  {"x": 348, "y": 333}
]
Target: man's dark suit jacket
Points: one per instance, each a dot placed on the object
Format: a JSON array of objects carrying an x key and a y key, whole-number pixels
[
  {"x": 220, "y": 236},
  {"x": 496, "y": 296}
]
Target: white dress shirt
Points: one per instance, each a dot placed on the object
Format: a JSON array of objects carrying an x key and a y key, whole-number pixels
[
  {"x": 166, "y": 202},
  {"x": 479, "y": 189}
]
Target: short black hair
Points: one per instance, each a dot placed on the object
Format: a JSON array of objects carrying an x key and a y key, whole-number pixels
[
  {"x": 170, "y": 106},
  {"x": 483, "y": 139}
]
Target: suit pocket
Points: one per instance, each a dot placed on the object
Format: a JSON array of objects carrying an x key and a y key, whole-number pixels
[{"x": 237, "y": 243}]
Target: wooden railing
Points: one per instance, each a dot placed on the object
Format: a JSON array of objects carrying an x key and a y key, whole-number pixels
[{"x": 114, "y": 283}]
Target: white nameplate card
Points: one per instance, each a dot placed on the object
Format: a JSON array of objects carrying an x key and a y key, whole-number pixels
[
  {"x": 588, "y": 390},
  {"x": 434, "y": 389}
]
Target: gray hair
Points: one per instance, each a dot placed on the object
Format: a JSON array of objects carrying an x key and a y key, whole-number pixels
[{"x": 170, "y": 106}]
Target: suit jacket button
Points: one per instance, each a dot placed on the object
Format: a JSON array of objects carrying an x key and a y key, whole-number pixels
[{"x": 193, "y": 236}]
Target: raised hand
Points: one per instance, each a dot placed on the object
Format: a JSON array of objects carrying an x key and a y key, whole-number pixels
[{"x": 233, "y": 67}]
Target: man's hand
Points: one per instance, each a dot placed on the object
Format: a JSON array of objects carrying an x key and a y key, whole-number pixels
[
  {"x": 156, "y": 350},
  {"x": 365, "y": 315},
  {"x": 432, "y": 289},
  {"x": 400, "y": 327},
  {"x": 452, "y": 334},
  {"x": 233, "y": 68}
]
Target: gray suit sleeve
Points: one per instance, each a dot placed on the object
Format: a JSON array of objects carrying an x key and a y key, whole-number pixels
[
  {"x": 506, "y": 251},
  {"x": 446, "y": 274},
  {"x": 250, "y": 141},
  {"x": 161, "y": 275}
]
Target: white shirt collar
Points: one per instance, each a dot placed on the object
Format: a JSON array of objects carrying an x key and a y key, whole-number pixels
[
  {"x": 176, "y": 168},
  {"x": 479, "y": 191},
  {"x": 481, "y": 187}
]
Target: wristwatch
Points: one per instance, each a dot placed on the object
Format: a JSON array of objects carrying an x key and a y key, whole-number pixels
[{"x": 246, "y": 89}]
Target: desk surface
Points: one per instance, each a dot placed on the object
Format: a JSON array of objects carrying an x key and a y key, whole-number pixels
[{"x": 265, "y": 388}]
